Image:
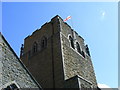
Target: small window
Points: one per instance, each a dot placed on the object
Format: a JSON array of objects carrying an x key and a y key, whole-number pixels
[
  {"x": 35, "y": 47},
  {"x": 78, "y": 47},
  {"x": 43, "y": 42},
  {"x": 11, "y": 87},
  {"x": 71, "y": 42}
]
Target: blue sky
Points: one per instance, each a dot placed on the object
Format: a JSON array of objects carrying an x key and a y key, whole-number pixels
[{"x": 96, "y": 22}]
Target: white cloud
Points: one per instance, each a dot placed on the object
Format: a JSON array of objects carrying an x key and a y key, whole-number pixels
[{"x": 102, "y": 14}]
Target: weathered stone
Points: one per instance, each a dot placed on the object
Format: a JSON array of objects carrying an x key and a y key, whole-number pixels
[
  {"x": 12, "y": 69},
  {"x": 53, "y": 65}
]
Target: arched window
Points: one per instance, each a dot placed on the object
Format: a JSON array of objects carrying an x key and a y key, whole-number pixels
[
  {"x": 78, "y": 47},
  {"x": 43, "y": 42},
  {"x": 11, "y": 87},
  {"x": 35, "y": 47},
  {"x": 71, "y": 42}
]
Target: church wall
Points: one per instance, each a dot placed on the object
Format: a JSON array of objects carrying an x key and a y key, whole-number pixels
[{"x": 13, "y": 70}]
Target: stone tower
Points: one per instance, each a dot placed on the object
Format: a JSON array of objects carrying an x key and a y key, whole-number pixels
[{"x": 57, "y": 57}]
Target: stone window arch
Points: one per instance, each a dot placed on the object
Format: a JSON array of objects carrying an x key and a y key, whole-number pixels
[
  {"x": 43, "y": 42},
  {"x": 71, "y": 42},
  {"x": 78, "y": 47},
  {"x": 35, "y": 47}
]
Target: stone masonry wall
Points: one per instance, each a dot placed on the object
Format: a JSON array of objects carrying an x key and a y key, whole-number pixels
[
  {"x": 12, "y": 70},
  {"x": 40, "y": 62},
  {"x": 77, "y": 82},
  {"x": 46, "y": 64},
  {"x": 74, "y": 62}
]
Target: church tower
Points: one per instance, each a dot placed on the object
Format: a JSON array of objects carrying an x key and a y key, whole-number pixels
[{"x": 57, "y": 57}]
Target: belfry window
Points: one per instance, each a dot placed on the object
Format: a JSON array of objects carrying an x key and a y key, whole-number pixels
[
  {"x": 43, "y": 42},
  {"x": 78, "y": 47},
  {"x": 71, "y": 42},
  {"x": 35, "y": 47}
]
